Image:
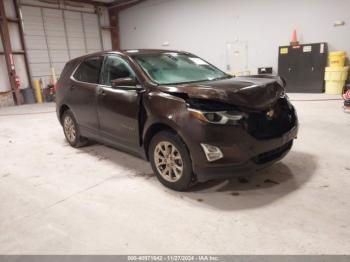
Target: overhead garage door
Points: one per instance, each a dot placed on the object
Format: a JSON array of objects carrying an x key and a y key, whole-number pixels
[{"x": 54, "y": 36}]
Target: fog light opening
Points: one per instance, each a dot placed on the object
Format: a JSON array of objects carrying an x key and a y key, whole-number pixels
[{"x": 212, "y": 153}]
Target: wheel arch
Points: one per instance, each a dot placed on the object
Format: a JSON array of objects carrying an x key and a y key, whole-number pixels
[
  {"x": 63, "y": 109},
  {"x": 153, "y": 130}
]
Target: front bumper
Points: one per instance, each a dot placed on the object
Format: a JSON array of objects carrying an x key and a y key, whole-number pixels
[
  {"x": 242, "y": 169},
  {"x": 251, "y": 155}
]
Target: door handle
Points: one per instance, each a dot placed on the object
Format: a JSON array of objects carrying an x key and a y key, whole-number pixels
[{"x": 72, "y": 87}]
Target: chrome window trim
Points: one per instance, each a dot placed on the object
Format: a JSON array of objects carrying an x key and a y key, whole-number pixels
[{"x": 104, "y": 56}]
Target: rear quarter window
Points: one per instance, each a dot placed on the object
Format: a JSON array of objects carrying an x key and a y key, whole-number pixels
[
  {"x": 89, "y": 70},
  {"x": 67, "y": 70}
]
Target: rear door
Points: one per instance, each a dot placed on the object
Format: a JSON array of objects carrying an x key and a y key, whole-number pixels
[
  {"x": 118, "y": 109},
  {"x": 83, "y": 93}
]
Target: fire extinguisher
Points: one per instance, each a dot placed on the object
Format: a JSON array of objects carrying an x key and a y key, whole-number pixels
[{"x": 18, "y": 82}]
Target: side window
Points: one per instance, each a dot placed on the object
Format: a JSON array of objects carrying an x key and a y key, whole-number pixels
[
  {"x": 115, "y": 68},
  {"x": 89, "y": 70}
]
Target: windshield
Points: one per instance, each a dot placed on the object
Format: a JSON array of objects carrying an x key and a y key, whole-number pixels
[{"x": 177, "y": 68}]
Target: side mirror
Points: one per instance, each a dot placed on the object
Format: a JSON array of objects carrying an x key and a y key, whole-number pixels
[{"x": 125, "y": 83}]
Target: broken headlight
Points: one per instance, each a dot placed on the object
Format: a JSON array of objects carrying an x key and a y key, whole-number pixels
[{"x": 220, "y": 117}]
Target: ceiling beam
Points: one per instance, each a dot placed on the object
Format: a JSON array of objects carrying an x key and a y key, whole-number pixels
[
  {"x": 124, "y": 3},
  {"x": 91, "y": 2}
]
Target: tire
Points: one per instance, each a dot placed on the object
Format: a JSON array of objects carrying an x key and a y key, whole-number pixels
[
  {"x": 174, "y": 170},
  {"x": 71, "y": 130}
]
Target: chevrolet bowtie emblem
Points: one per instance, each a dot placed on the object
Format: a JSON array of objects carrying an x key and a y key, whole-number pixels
[{"x": 270, "y": 114}]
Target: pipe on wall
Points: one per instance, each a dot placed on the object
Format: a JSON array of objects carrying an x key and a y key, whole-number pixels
[{"x": 114, "y": 11}]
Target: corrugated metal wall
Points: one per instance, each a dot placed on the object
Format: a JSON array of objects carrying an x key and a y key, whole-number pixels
[
  {"x": 55, "y": 35},
  {"x": 54, "y": 32},
  {"x": 16, "y": 46},
  {"x": 4, "y": 79}
]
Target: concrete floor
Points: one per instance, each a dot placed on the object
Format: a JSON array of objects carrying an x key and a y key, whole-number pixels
[{"x": 55, "y": 199}]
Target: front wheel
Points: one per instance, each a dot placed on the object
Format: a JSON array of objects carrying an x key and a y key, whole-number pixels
[
  {"x": 71, "y": 130},
  {"x": 171, "y": 161}
]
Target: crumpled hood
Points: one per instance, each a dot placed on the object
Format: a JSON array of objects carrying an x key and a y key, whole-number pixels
[{"x": 254, "y": 92}]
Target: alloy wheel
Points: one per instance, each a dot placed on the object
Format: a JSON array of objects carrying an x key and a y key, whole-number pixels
[
  {"x": 69, "y": 129},
  {"x": 168, "y": 161}
]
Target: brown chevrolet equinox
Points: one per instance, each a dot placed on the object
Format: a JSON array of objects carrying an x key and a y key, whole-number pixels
[{"x": 192, "y": 121}]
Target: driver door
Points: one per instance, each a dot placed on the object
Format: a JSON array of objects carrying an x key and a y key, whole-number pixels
[{"x": 118, "y": 108}]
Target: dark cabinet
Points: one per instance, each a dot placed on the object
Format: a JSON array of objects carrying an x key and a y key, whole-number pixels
[{"x": 303, "y": 67}]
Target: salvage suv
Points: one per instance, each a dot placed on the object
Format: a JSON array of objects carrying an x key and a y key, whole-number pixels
[{"x": 192, "y": 121}]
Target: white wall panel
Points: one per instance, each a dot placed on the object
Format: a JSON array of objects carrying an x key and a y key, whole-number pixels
[
  {"x": 32, "y": 22},
  {"x": 10, "y": 8},
  {"x": 33, "y": 28},
  {"x": 36, "y": 42},
  {"x": 76, "y": 43},
  {"x": 34, "y": 35},
  {"x": 205, "y": 27},
  {"x": 54, "y": 26},
  {"x": 93, "y": 43},
  {"x": 72, "y": 15},
  {"x": 75, "y": 33},
  {"x": 15, "y": 37},
  {"x": 92, "y": 32},
  {"x": 58, "y": 67},
  {"x": 39, "y": 70},
  {"x": 4, "y": 79},
  {"x": 106, "y": 33},
  {"x": 104, "y": 16},
  {"x": 91, "y": 25},
  {"x": 77, "y": 53},
  {"x": 1, "y": 47},
  {"x": 90, "y": 51},
  {"x": 38, "y": 56},
  {"x": 107, "y": 40},
  {"x": 54, "y": 36},
  {"x": 59, "y": 56},
  {"x": 49, "y": 12},
  {"x": 30, "y": 13},
  {"x": 56, "y": 43},
  {"x": 74, "y": 28}
]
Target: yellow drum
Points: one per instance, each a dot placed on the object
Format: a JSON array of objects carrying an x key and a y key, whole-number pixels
[
  {"x": 37, "y": 89},
  {"x": 337, "y": 59},
  {"x": 335, "y": 79}
]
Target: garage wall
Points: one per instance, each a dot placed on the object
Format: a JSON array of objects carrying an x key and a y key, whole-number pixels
[
  {"x": 56, "y": 32},
  {"x": 4, "y": 79},
  {"x": 16, "y": 45},
  {"x": 206, "y": 27}
]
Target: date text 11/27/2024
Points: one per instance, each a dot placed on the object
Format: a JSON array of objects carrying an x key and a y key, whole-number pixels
[{"x": 174, "y": 258}]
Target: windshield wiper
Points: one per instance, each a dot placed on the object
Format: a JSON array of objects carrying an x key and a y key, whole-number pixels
[{"x": 223, "y": 77}]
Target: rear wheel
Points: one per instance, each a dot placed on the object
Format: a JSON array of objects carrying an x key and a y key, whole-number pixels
[
  {"x": 171, "y": 161},
  {"x": 71, "y": 130}
]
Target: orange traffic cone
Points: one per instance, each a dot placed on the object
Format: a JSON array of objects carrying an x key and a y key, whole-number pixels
[{"x": 294, "y": 41}]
